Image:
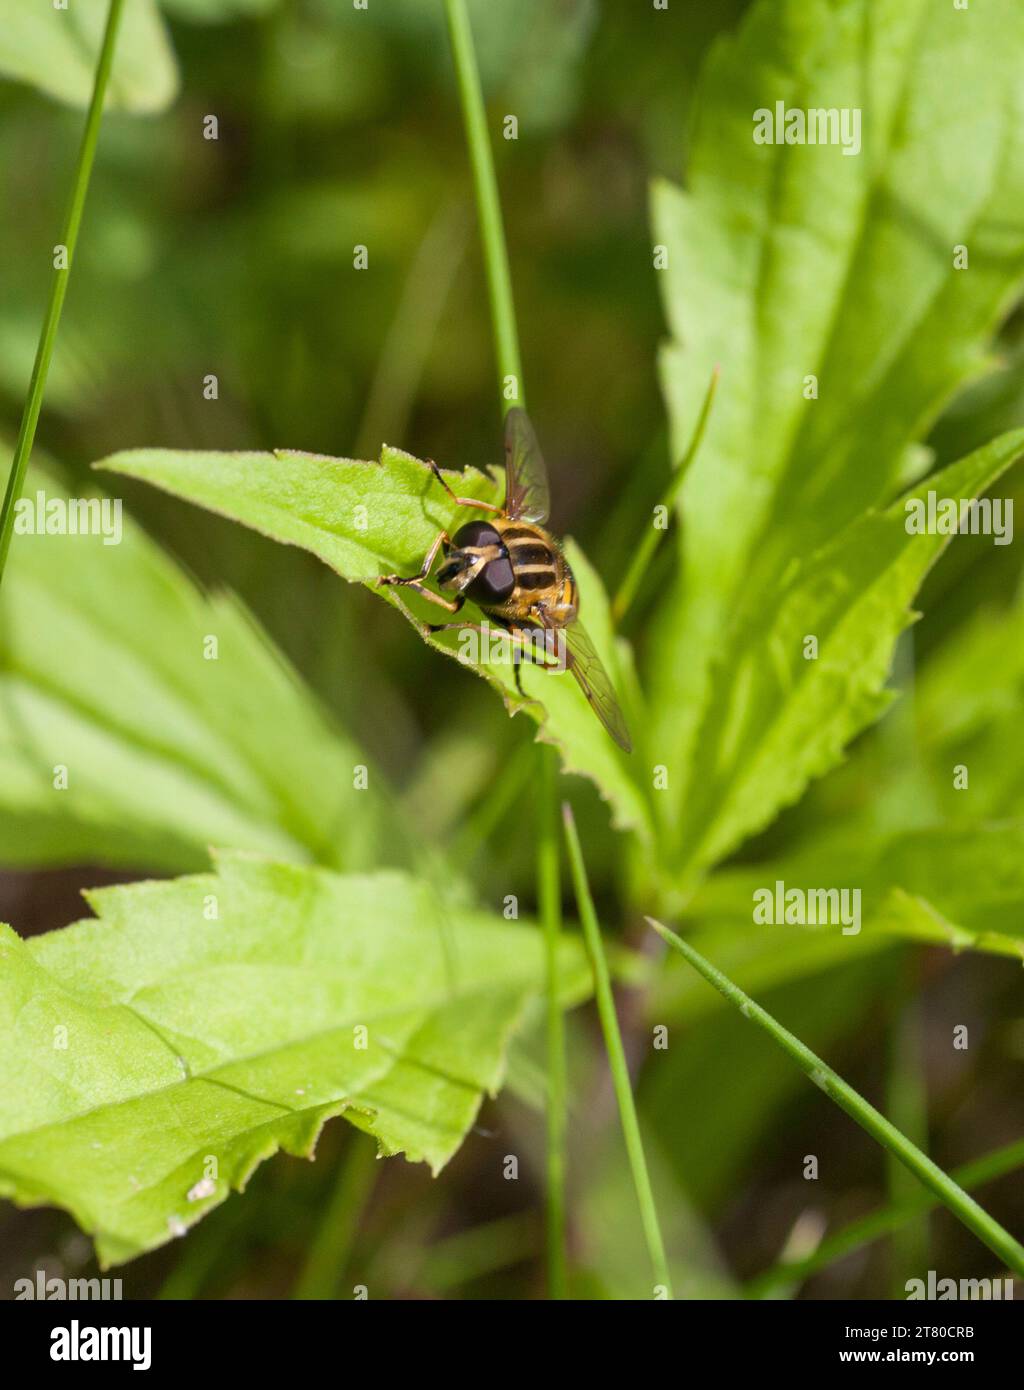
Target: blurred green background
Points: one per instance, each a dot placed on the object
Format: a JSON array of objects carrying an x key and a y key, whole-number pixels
[{"x": 234, "y": 257}]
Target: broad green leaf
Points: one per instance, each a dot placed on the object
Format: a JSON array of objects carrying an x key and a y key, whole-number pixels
[
  {"x": 778, "y": 717},
  {"x": 363, "y": 519},
  {"x": 368, "y": 519},
  {"x": 155, "y": 1056},
  {"x": 951, "y": 701},
  {"x": 969, "y": 717},
  {"x": 961, "y": 887},
  {"x": 56, "y": 50},
  {"x": 762, "y": 957},
  {"x": 792, "y": 261},
  {"x": 177, "y": 723},
  {"x": 972, "y": 877},
  {"x": 915, "y": 919}
]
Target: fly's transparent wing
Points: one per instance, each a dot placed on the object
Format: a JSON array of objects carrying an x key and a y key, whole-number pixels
[
  {"x": 585, "y": 664},
  {"x": 527, "y": 497}
]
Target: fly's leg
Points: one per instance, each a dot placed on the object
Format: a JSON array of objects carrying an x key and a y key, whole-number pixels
[
  {"x": 459, "y": 627},
  {"x": 548, "y": 636},
  {"x": 441, "y": 539},
  {"x": 537, "y": 649},
  {"x": 484, "y": 628},
  {"x": 462, "y": 501},
  {"x": 517, "y": 636},
  {"x": 415, "y": 581},
  {"x": 452, "y": 605},
  {"x": 528, "y": 654}
]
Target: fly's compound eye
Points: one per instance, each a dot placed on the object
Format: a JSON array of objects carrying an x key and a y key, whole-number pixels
[
  {"x": 494, "y": 583},
  {"x": 476, "y": 533}
]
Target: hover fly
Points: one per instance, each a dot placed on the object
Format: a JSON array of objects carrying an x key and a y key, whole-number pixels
[{"x": 515, "y": 571}]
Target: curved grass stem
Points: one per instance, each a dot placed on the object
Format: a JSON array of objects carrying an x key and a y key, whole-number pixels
[
  {"x": 616, "y": 1056},
  {"x": 549, "y": 898},
  {"x": 907, "y": 1102},
  {"x": 58, "y": 289},
  {"x": 791, "y": 1273},
  {"x": 511, "y": 392},
  {"x": 485, "y": 185},
  {"x": 949, "y": 1192}
]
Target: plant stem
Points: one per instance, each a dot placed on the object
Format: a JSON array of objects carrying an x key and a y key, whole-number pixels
[
  {"x": 616, "y": 1055},
  {"x": 644, "y": 553},
  {"x": 58, "y": 289},
  {"x": 492, "y": 232},
  {"x": 974, "y": 1217},
  {"x": 511, "y": 392},
  {"x": 549, "y": 898},
  {"x": 882, "y": 1223},
  {"x": 907, "y": 1103}
]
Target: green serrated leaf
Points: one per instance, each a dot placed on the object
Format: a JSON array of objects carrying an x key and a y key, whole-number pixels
[
  {"x": 951, "y": 702},
  {"x": 155, "y": 1056},
  {"x": 363, "y": 519},
  {"x": 368, "y": 519},
  {"x": 779, "y": 716},
  {"x": 961, "y": 887},
  {"x": 177, "y": 723},
  {"x": 968, "y": 702},
  {"x": 56, "y": 50},
  {"x": 971, "y": 875},
  {"x": 793, "y": 261}
]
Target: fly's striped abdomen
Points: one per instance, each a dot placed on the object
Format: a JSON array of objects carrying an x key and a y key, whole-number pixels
[
  {"x": 521, "y": 531},
  {"x": 536, "y": 563},
  {"x": 530, "y": 554}
]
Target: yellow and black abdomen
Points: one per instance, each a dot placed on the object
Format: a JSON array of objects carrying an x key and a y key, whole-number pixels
[{"x": 542, "y": 575}]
